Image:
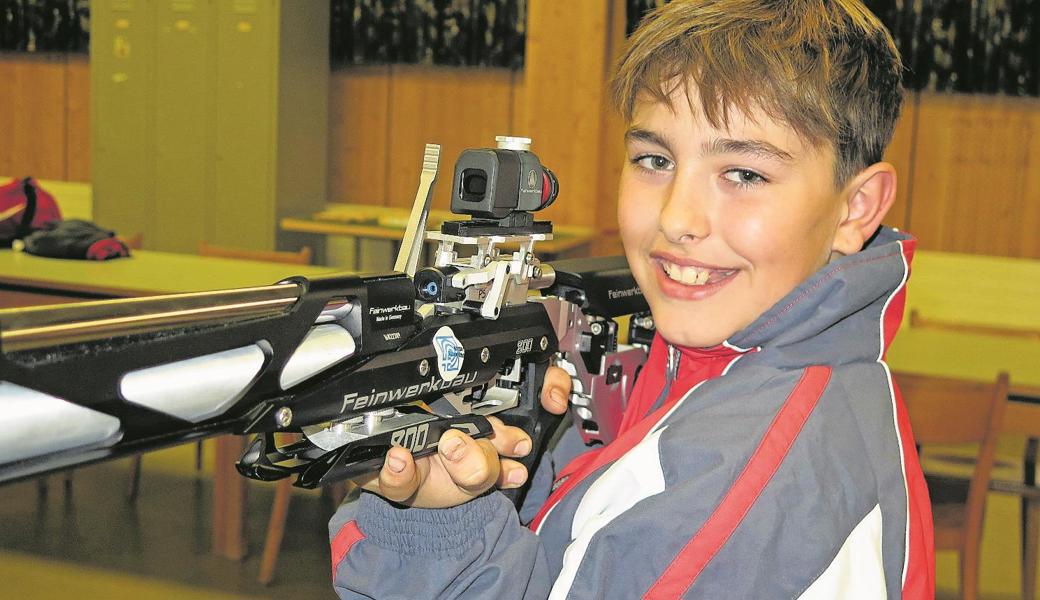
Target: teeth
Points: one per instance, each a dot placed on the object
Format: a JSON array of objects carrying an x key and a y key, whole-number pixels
[{"x": 687, "y": 275}]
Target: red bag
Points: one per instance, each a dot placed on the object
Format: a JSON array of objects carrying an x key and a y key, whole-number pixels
[{"x": 24, "y": 207}]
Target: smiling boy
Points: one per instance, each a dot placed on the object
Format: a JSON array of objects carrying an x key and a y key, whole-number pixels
[{"x": 764, "y": 453}]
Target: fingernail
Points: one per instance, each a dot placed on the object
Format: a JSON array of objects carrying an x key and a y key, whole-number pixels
[
  {"x": 515, "y": 477},
  {"x": 395, "y": 463},
  {"x": 452, "y": 449},
  {"x": 522, "y": 448}
]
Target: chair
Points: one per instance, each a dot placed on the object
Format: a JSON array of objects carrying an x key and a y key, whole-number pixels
[
  {"x": 280, "y": 514},
  {"x": 948, "y": 411}
]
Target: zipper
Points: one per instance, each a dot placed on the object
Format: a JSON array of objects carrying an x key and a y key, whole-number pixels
[
  {"x": 671, "y": 371},
  {"x": 673, "y": 364}
]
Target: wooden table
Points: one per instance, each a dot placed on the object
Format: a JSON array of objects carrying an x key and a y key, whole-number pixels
[
  {"x": 31, "y": 280},
  {"x": 971, "y": 317},
  {"x": 362, "y": 221}
]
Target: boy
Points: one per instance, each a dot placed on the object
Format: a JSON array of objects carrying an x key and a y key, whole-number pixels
[{"x": 764, "y": 453}]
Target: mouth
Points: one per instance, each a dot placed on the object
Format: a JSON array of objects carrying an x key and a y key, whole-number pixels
[
  {"x": 689, "y": 280},
  {"x": 693, "y": 274}
]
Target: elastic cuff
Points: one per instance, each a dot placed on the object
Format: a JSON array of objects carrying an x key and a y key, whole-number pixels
[{"x": 437, "y": 531}]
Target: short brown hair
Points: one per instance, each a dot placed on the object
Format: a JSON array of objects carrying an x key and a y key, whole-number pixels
[{"x": 827, "y": 68}]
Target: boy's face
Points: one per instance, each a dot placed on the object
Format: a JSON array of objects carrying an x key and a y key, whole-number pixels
[{"x": 718, "y": 225}]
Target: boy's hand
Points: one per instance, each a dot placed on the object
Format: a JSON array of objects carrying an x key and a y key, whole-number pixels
[{"x": 464, "y": 468}]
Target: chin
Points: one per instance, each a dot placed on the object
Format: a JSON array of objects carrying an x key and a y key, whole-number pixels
[{"x": 683, "y": 336}]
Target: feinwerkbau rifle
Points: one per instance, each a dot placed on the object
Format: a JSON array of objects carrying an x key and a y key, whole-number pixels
[{"x": 355, "y": 363}]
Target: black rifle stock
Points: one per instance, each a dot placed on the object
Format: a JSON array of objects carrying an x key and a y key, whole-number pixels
[{"x": 354, "y": 363}]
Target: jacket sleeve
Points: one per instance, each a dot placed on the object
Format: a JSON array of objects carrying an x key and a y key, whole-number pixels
[{"x": 477, "y": 550}]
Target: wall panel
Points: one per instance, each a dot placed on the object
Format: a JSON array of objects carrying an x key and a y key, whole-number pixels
[
  {"x": 564, "y": 98},
  {"x": 32, "y": 116},
  {"x": 77, "y": 115},
  {"x": 976, "y": 181},
  {"x": 612, "y": 148},
  {"x": 456, "y": 108},
  {"x": 900, "y": 154},
  {"x": 359, "y": 100}
]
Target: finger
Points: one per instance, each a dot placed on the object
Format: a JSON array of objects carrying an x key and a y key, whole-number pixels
[
  {"x": 556, "y": 387},
  {"x": 509, "y": 441},
  {"x": 512, "y": 475},
  {"x": 399, "y": 477},
  {"x": 472, "y": 464}
]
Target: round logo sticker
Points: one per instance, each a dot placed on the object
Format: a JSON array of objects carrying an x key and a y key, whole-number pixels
[{"x": 450, "y": 353}]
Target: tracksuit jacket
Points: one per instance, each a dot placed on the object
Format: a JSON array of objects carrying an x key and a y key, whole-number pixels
[{"x": 777, "y": 465}]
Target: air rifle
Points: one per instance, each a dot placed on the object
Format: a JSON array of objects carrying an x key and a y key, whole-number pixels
[{"x": 354, "y": 363}]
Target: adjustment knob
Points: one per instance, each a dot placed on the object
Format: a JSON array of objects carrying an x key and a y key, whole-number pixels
[
  {"x": 433, "y": 284},
  {"x": 506, "y": 142}
]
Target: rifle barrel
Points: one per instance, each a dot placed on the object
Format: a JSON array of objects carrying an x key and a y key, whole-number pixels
[{"x": 38, "y": 327}]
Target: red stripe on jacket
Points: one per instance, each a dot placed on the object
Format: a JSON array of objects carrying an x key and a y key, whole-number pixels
[
  {"x": 919, "y": 579},
  {"x": 742, "y": 495},
  {"x": 696, "y": 366},
  {"x": 345, "y": 539}
]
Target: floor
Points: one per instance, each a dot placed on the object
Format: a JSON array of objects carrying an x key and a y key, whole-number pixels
[{"x": 90, "y": 542}]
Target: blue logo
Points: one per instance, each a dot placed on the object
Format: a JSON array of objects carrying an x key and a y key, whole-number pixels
[{"x": 450, "y": 353}]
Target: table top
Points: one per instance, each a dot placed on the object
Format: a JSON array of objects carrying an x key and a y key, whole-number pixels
[
  {"x": 950, "y": 290},
  {"x": 977, "y": 317},
  {"x": 975, "y": 357},
  {"x": 145, "y": 272},
  {"x": 389, "y": 223}
]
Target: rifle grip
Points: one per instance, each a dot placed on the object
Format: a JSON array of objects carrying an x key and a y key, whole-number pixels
[{"x": 539, "y": 423}]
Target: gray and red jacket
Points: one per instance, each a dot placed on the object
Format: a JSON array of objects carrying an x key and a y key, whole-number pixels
[{"x": 778, "y": 465}]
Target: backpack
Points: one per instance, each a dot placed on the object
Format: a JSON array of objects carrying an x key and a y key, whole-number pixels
[{"x": 24, "y": 207}]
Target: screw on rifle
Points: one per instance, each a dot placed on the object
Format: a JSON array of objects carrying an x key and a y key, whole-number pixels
[
  {"x": 597, "y": 328},
  {"x": 645, "y": 322},
  {"x": 487, "y": 260},
  {"x": 424, "y": 368},
  {"x": 544, "y": 343},
  {"x": 536, "y": 272},
  {"x": 485, "y": 355},
  {"x": 284, "y": 416}
]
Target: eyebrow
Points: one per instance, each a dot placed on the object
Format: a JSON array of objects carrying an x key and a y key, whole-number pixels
[
  {"x": 756, "y": 148},
  {"x": 636, "y": 134}
]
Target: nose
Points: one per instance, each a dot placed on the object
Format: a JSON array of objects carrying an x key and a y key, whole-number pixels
[{"x": 685, "y": 215}]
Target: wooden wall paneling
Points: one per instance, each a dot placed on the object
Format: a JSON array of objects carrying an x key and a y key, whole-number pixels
[
  {"x": 454, "y": 107},
  {"x": 566, "y": 67},
  {"x": 77, "y": 115},
  {"x": 612, "y": 154},
  {"x": 900, "y": 154},
  {"x": 359, "y": 123},
  {"x": 32, "y": 115},
  {"x": 518, "y": 112},
  {"x": 977, "y": 175}
]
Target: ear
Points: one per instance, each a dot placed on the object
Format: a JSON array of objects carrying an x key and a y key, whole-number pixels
[{"x": 868, "y": 197}]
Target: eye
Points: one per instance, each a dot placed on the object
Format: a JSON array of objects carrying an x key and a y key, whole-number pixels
[
  {"x": 653, "y": 163},
  {"x": 744, "y": 178}
]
